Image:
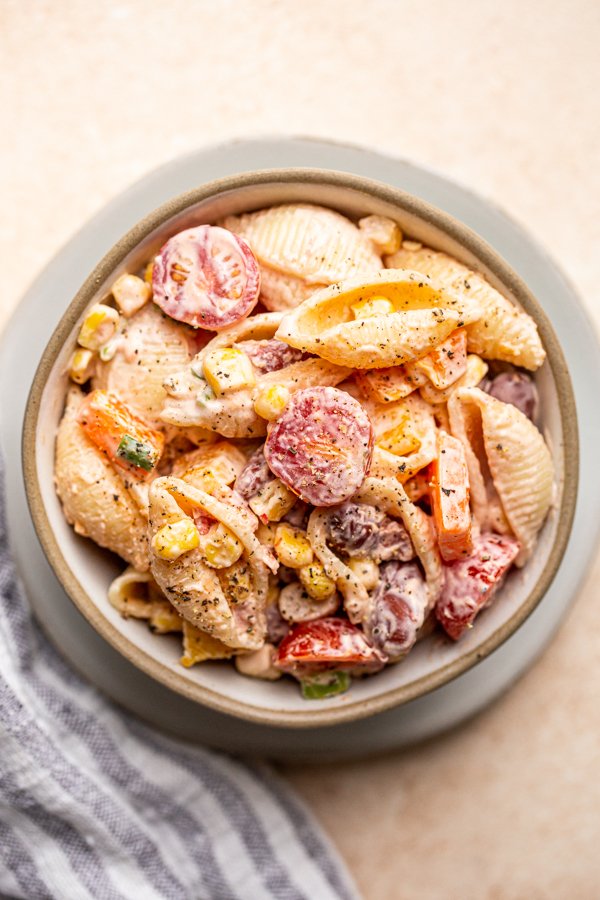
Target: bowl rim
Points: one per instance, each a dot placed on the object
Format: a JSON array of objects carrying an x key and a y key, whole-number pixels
[{"x": 395, "y": 696}]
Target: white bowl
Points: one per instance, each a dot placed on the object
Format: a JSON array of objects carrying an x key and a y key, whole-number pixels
[{"x": 85, "y": 570}]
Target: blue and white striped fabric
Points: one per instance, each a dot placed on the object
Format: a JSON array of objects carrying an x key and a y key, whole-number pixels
[{"x": 95, "y": 805}]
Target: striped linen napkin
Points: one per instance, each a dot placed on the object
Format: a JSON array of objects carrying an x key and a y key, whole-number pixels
[{"x": 95, "y": 805}]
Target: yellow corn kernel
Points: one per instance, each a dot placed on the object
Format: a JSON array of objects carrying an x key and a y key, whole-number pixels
[
  {"x": 400, "y": 440},
  {"x": 316, "y": 582},
  {"x": 273, "y": 590},
  {"x": 131, "y": 293},
  {"x": 237, "y": 582},
  {"x": 220, "y": 461},
  {"x": 225, "y": 460},
  {"x": 203, "y": 477},
  {"x": 99, "y": 326},
  {"x": 81, "y": 366},
  {"x": 383, "y": 232},
  {"x": 220, "y": 547},
  {"x": 228, "y": 370},
  {"x": 266, "y": 534},
  {"x": 372, "y": 306},
  {"x": 271, "y": 400},
  {"x": 292, "y": 547},
  {"x": 172, "y": 540},
  {"x": 476, "y": 371},
  {"x": 273, "y": 501},
  {"x": 366, "y": 571},
  {"x": 148, "y": 271}
]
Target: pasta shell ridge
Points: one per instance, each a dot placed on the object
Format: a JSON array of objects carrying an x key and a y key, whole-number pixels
[
  {"x": 315, "y": 244},
  {"x": 280, "y": 291},
  {"x": 520, "y": 464},
  {"x": 503, "y": 332},
  {"x": 151, "y": 349}
]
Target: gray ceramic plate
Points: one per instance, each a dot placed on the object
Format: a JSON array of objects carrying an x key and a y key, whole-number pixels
[{"x": 113, "y": 673}]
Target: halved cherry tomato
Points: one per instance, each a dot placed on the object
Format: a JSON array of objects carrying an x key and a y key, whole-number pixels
[
  {"x": 206, "y": 276},
  {"x": 450, "y": 498},
  {"x": 321, "y": 445},
  {"x": 329, "y": 643},
  {"x": 117, "y": 431},
  {"x": 470, "y": 584}
]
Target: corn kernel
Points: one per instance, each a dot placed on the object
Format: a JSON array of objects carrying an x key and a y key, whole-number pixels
[
  {"x": 266, "y": 534},
  {"x": 273, "y": 590},
  {"x": 316, "y": 582},
  {"x": 148, "y": 272},
  {"x": 131, "y": 293},
  {"x": 99, "y": 326},
  {"x": 273, "y": 501},
  {"x": 271, "y": 400},
  {"x": 228, "y": 370},
  {"x": 221, "y": 461},
  {"x": 292, "y": 547},
  {"x": 225, "y": 460},
  {"x": 175, "y": 539},
  {"x": 202, "y": 477},
  {"x": 366, "y": 571},
  {"x": 236, "y": 581},
  {"x": 372, "y": 306},
  {"x": 81, "y": 366},
  {"x": 383, "y": 232},
  {"x": 220, "y": 547},
  {"x": 476, "y": 371}
]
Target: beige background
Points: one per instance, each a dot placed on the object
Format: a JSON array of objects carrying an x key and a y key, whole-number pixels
[{"x": 501, "y": 96}]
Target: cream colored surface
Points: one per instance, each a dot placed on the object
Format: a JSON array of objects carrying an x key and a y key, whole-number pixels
[{"x": 503, "y": 97}]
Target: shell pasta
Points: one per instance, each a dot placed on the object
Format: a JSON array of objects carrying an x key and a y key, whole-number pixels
[{"x": 313, "y": 441}]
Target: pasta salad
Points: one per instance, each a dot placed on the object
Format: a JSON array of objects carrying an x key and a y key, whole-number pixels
[{"x": 313, "y": 442}]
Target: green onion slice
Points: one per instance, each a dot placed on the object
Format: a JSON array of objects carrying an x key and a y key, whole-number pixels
[
  {"x": 138, "y": 453},
  {"x": 205, "y": 393},
  {"x": 326, "y": 684}
]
